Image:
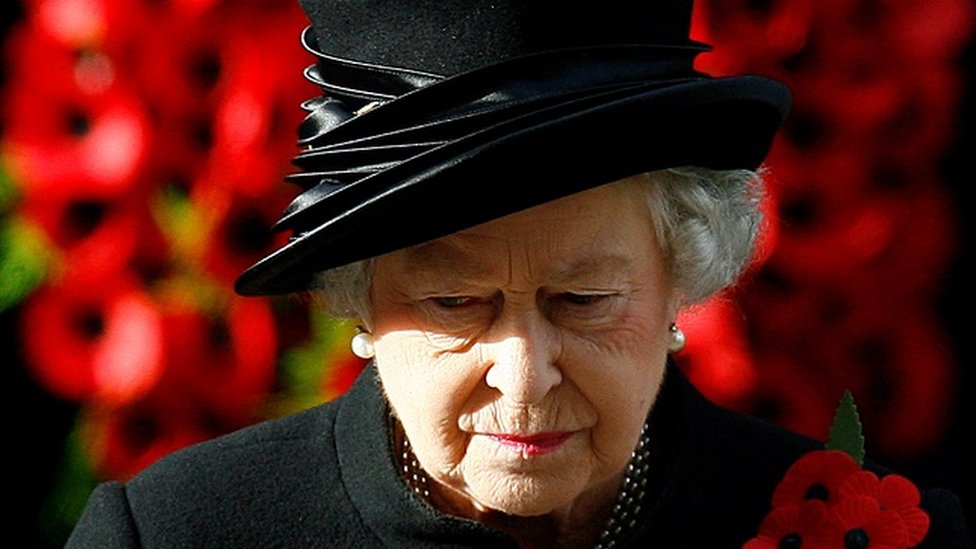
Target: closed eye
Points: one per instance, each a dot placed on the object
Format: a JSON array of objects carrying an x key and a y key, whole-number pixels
[
  {"x": 452, "y": 301},
  {"x": 583, "y": 299},
  {"x": 583, "y": 310}
]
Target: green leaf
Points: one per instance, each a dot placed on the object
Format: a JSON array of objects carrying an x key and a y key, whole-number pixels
[
  {"x": 8, "y": 191},
  {"x": 73, "y": 483},
  {"x": 24, "y": 260},
  {"x": 180, "y": 220},
  {"x": 303, "y": 368},
  {"x": 846, "y": 432}
]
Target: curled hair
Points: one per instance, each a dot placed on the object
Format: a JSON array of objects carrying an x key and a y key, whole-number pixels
[
  {"x": 344, "y": 291},
  {"x": 706, "y": 222}
]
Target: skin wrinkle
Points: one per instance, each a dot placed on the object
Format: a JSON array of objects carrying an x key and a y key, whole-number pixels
[
  {"x": 556, "y": 321},
  {"x": 725, "y": 205}
]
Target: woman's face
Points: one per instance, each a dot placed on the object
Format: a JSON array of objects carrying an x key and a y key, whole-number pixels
[{"x": 522, "y": 356}]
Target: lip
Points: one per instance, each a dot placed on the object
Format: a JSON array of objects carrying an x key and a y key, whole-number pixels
[{"x": 533, "y": 445}]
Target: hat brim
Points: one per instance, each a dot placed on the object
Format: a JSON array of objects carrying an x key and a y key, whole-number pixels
[{"x": 719, "y": 123}]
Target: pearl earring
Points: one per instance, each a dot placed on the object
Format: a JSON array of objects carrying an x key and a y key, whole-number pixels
[
  {"x": 362, "y": 344},
  {"x": 678, "y": 339}
]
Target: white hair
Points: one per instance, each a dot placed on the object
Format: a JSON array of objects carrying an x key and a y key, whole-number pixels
[{"x": 706, "y": 222}]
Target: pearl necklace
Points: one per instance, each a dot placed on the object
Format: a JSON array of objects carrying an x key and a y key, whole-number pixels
[
  {"x": 413, "y": 472},
  {"x": 627, "y": 507}
]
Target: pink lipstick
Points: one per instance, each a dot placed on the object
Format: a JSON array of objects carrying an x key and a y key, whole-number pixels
[{"x": 533, "y": 445}]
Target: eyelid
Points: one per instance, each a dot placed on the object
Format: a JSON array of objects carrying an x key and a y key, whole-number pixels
[
  {"x": 589, "y": 297},
  {"x": 600, "y": 292},
  {"x": 462, "y": 299},
  {"x": 447, "y": 301}
]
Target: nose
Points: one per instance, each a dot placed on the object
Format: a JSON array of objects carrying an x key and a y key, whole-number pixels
[{"x": 523, "y": 364}]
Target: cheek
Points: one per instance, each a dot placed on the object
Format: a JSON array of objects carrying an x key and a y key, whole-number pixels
[
  {"x": 619, "y": 371},
  {"x": 634, "y": 344},
  {"x": 427, "y": 390}
]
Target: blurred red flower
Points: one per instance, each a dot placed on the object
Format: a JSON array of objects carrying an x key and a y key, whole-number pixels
[
  {"x": 71, "y": 121},
  {"x": 241, "y": 233},
  {"x": 94, "y": 343},
  {"x": 96, "y": 237},
  {"x": 750, "y": 31},
  {"x": 122, "y": 442},
  {"x": 221, "y": 355},
  {"x": 717, "y": 358},
  {"x": 86, "y": 24}
]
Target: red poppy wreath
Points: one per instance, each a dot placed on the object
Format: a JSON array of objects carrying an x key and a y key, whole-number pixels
[{"x": 827, "y": 501}]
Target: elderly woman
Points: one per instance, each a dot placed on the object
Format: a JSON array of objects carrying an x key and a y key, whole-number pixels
[{"x": 515, "y": 199}]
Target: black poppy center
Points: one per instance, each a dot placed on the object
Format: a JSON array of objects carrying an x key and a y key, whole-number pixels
[
  {"x": 856, "y": 539},
  {"x": 90, "y": 323},
  {"x": 82, "y": 218},
  {"x": 219, "y": 336},
  {"x": 790, "y": 541},
  {"x": 817, "y": 491},
  {"x": 248, "y": 233},
  {"x": 78, "y": 122}
]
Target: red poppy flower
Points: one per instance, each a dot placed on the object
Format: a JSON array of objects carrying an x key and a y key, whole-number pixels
[
  {"x": 81, "y": 24},
  {"x": 815, "y": 476},
  {"x": 808, "y": 525},
  {"x": 864, "y": 524},
  {"x": 95, "y": 236},
  {"x": 191, "y": 8},
  {"x": 717, "y": 358},
  {"x": 791, "y": 394},
  {"x": 97, "y": 143},
  {"x": 224, "y": 95},
  {"x": 750, "y": 31},
  {"x": 72, "y": 121},
  {"x": 223, "y": 355},
  {"x": 921, "y": 241},
  {"x": 241, "y": 230},
  {"x": 94, "y": 343},
  {"x": 902, "y": 364},
  {"x": 893, "y": 492},
  {"x": 179, "y": 77},
  {"x": 122, "y": 442},
  {"x": 254, "y": 119}
]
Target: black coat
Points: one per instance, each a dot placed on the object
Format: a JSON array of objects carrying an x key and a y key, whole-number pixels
[{"x": 327, "y": 478}]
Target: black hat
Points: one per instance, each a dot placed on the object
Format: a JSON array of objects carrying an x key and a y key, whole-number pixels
[{"x": 439, "y": 115}]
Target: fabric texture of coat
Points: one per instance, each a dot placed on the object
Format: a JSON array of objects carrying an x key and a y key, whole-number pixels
[{"x": 327, "y": 478}]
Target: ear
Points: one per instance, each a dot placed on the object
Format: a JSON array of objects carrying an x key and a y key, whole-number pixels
[{"x": 676, "y": 302}]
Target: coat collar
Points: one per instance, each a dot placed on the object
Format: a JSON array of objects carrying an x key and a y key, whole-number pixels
[{"x": 368, "y": 467}]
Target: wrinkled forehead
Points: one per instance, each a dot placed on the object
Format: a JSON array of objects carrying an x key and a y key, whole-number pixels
[{"x": 598, "y": 231}]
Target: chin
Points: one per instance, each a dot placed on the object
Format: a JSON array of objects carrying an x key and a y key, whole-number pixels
[{"x": 527, "y": 495}]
